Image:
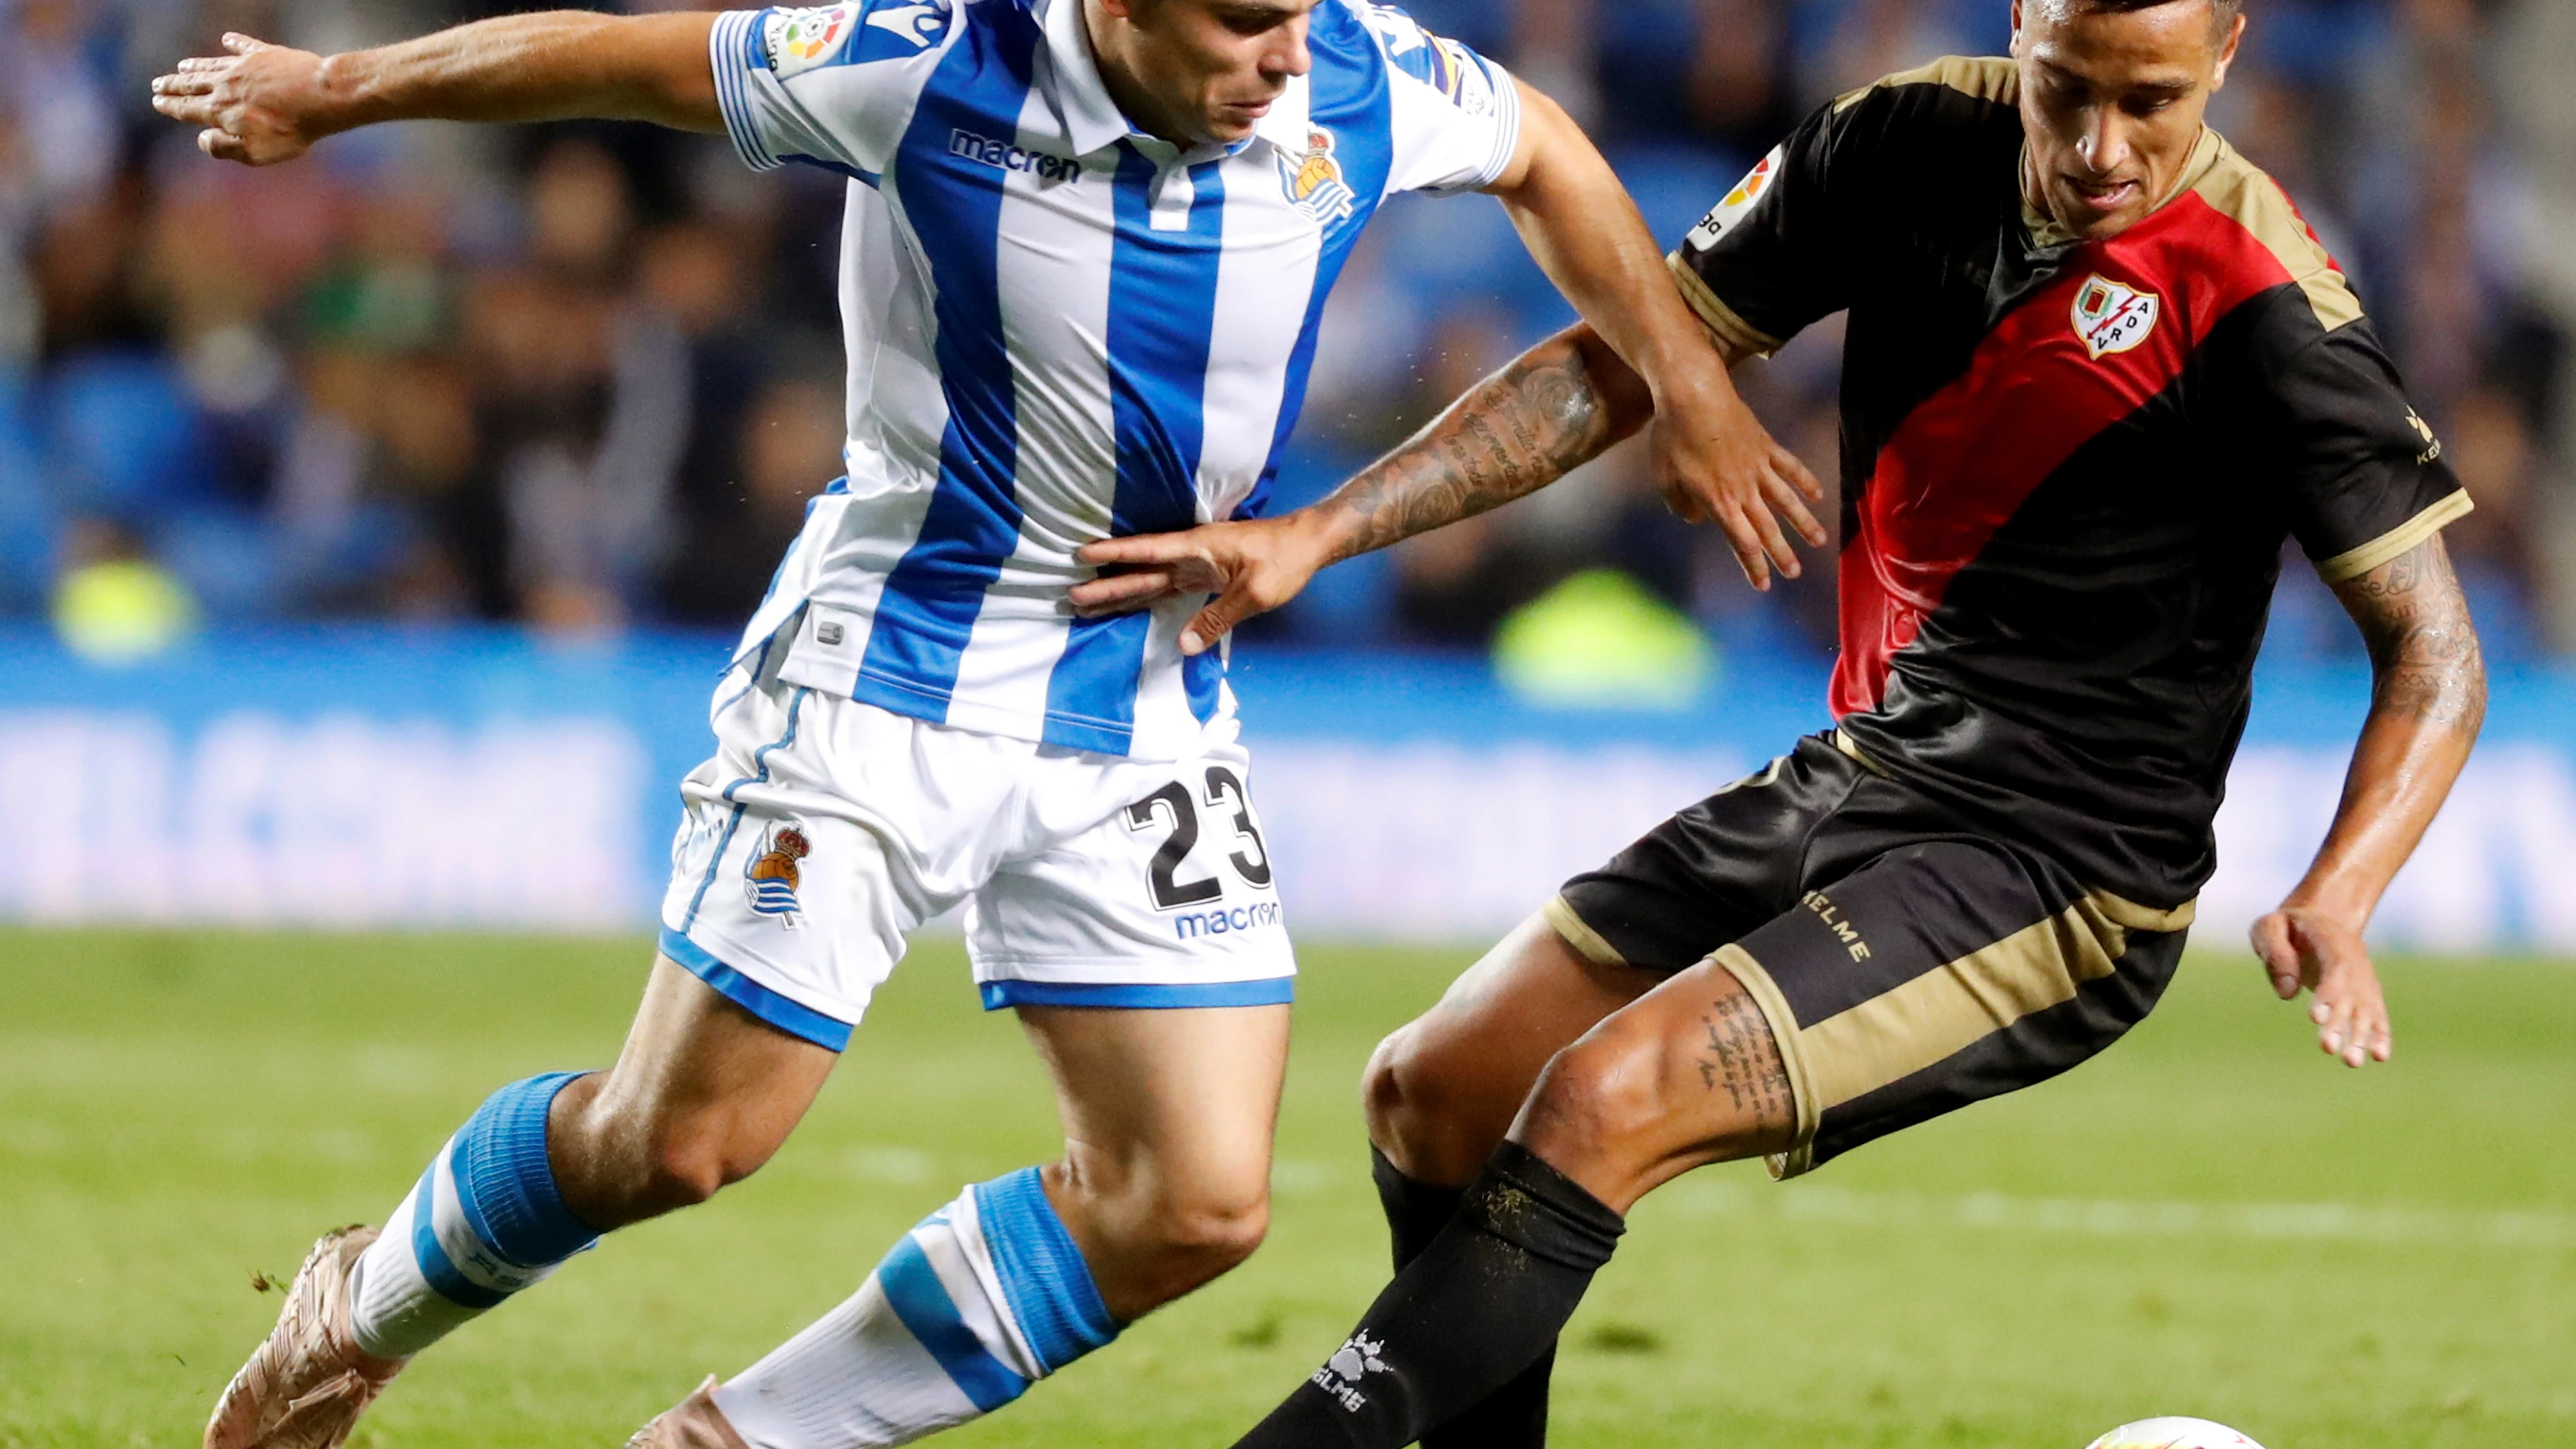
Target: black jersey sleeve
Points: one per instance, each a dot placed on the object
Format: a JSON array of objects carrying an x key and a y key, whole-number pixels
[
  {"x": 1766, "y": 260},
  {"x": 2361, "y": 474}
]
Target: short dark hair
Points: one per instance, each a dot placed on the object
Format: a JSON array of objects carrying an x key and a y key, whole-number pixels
[{"x": 2222, "y": 13}]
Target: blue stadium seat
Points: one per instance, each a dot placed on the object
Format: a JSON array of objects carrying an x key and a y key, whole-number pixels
[
  {"x": 124, "y": 429},
  {"x": 30, "y": 522},
  {"x": 226, "y": 557}
]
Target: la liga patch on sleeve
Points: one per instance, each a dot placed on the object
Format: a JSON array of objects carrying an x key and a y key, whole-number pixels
[{"x": 1755, "y": 185}]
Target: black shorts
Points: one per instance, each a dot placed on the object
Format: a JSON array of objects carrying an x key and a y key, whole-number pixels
[{"x": 1908, "y": 965}]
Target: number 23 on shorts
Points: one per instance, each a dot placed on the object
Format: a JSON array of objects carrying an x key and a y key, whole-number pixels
[{"x": 1173, "y": 809}]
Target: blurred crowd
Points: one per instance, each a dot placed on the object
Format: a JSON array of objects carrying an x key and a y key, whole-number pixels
[{"x": 586, "y": 376}]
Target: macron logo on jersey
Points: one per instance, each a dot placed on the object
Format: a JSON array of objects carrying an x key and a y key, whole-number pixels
[{"x": 1003, "y": 156}]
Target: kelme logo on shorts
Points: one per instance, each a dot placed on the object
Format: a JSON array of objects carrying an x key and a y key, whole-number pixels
[{"x": 770, "y": 877}]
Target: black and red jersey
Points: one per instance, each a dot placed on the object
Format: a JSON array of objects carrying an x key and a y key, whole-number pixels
[{"x": 2068, "y": 466}]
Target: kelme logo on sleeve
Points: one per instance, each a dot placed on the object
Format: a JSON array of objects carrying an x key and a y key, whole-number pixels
[{"x": 2113, "y": 318}]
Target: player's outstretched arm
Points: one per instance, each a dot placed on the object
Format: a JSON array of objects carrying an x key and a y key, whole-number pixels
[
  {"x": 261, "y": 104},
  {"x": 2428, "y": 697},
  {"x": 1713, "y": 459},
  {"x": 1552, "y": 409}
]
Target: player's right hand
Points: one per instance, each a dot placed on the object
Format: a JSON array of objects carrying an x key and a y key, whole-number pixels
[
  {"x": 2303, "y": 947},
  {"x": 1252, "y": 567},
  {"x": 259, "y": 105},
  {"x": 1716, "y": 464}
]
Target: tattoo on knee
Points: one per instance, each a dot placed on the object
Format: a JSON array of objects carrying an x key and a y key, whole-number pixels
[{"x": 1742, "y": 1060}]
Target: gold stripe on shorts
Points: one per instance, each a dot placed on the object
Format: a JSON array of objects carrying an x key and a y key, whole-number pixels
[{"x": 1942, "y": 1012}]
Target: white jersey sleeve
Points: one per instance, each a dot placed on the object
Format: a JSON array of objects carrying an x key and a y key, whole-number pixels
[
  {"x": 834, "y": 85},
  {"x": 1455, "y": 117}
]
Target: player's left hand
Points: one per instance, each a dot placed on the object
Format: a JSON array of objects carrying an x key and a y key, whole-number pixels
[
  {"x": 260, "y": 105},
  {"x": 1716, "y": 464},
  {"x": 2302, "y": 946}
]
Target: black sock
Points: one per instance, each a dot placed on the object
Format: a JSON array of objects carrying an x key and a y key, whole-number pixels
[
  {"x": 1513, "y": 1416},
  {"x": 1480, "y": 1304}
]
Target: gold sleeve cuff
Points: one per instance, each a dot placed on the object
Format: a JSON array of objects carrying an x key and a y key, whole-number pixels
[
  {"x": 1736, "y": 335},
  {"x": 2354, "y": 562}
]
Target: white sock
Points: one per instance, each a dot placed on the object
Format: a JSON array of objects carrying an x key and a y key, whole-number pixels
[
  {"x": 984, "y": 1297},
  {"x": 397, "y": 1313},
  {"x": 483, "y": 1222}
]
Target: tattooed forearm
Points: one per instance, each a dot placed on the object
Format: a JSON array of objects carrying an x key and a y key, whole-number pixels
[
  {"x": 1519, "y": 430},
  {"x": 2424, "y": 655},
  {"x": 1741, "y": 1060}
]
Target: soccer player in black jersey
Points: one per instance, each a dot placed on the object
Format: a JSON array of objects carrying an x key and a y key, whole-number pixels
[{"x": 2096, "y": 371}]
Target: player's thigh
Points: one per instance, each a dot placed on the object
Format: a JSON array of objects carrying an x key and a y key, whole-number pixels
[
  {"x": 1444, "y": 1088},
  {"x": 1687, "y": 1074},
  {"x": 1174, "y": 1107}
]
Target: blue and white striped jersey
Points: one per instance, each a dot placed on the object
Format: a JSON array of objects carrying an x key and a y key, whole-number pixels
[{"x": 1060, "y": 329}]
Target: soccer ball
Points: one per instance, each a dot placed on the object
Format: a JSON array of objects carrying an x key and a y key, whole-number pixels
[{"x": 2174, "y": 1433}]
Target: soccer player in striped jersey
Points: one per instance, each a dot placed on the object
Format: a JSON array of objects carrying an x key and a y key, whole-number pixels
[
  {"x": 1086, "y": 248},
  {"x": 2097, "y": 373}
]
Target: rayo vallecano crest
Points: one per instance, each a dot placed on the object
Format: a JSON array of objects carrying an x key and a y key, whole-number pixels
[
  {"x": 2112, "y": 317},
  {"x": 771, "y": 875},
  {"x": 1314, "y": 181}
]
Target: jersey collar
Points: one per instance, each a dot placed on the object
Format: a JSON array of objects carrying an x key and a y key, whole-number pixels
[
  {"x": 1287, "y": 126},
  {"x": 1091, "y": 119}
]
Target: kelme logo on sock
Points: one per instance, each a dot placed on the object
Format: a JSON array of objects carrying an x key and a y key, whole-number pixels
[{"x": 1353, "y": 1362}]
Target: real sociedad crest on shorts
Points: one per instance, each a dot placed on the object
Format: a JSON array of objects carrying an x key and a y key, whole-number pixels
[
  {"x": 2111, "y": 317},
  {"x": 1314, "y": 181},
  {"x": 770, "y": 877}
]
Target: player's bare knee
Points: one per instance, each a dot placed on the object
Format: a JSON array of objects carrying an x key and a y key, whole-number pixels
[
  {"x": 1409, "y": 1114},
  {"x": 672, "y": 1162},
  {"x": 1210, "y": 1233},
  {"x": 1602, "y": 1098}
]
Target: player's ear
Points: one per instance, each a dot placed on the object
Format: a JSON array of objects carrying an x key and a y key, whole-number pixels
[
  {"x": 2226, "y": 48},
  {"x": 2016, "y": 29}
]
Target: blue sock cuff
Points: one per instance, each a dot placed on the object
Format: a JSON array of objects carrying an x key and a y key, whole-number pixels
[
  {"x": 504, "y": 1182},
  {"x": 1042, "y": 1272}
]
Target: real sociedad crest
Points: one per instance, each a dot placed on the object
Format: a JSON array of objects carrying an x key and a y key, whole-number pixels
[
  {"x": 2111, "y": 317},
  {"x": 1314, "y": 181},
  {"x": 770, "y": 877}
]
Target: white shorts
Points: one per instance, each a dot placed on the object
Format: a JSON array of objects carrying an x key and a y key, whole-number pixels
[{"x": 825, "y": 831}]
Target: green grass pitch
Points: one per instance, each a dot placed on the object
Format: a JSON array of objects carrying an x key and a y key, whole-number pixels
[{"x": 2211, "y": 1219}]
